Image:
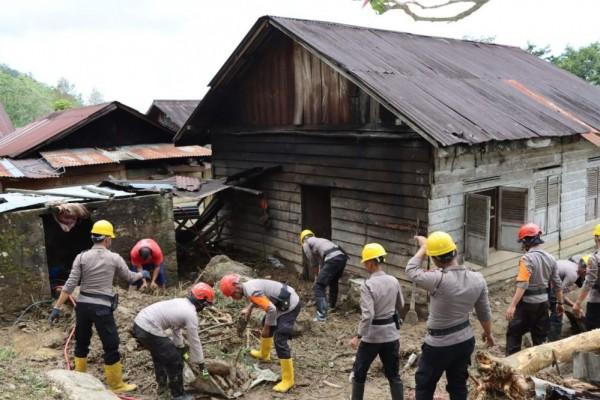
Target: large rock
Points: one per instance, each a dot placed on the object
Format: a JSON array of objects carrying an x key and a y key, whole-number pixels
[
  {"x": 220, "y": 265},
  {"x": 80, "y": 386}
]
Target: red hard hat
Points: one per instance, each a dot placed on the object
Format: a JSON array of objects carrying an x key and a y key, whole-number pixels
[
  {"x": 529, "y": 230},
  {"x": 227, "y": 284},
  {"x": 203, "y": 291}
]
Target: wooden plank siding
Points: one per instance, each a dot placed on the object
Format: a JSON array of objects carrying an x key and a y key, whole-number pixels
[
  {"x": 379, "y": 190},
  {"x": 460, "y": 170}
]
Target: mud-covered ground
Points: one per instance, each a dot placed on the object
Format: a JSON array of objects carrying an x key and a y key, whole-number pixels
[{"x": 323, "y": 358}]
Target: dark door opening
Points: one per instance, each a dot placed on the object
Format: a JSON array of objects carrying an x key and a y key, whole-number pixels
[
  {"x": 493, "y": 195},
  {"x": 316, "y": 214},
  {"x": 62, "y": 247}
]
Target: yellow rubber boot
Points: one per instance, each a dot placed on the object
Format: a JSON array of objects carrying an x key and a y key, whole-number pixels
[
  {"x": 264, "y": 354},
  {"x": 114, "y": 378},
  {"x": 81, "y": 364},
  {"x": 287, "y": 376}
]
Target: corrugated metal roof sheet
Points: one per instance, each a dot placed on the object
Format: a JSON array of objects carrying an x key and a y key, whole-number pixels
[
  {"x": 177, "y": 111},
  {"x": 46, "y": 128},
  {"x": 27, "y": 168},
  {"x": 6, "y": 125},
  {"x": 91, "y": 156},
  {"x": 450, "y": 91},
  {"x": 18, "y": 201}
]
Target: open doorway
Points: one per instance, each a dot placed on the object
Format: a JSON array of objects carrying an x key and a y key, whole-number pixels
[
  {"x": 62, "y": 247},
  {"x": 316, "y": 215}
]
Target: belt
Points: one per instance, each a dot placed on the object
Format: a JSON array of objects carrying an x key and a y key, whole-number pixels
[
  {"x": 332, "y": 250},
  {"x": 383, "y": 321},
  {"x": 447, "y": 331},
  {"x": 97, "y": 296},
  {"x": 533, "y": 292}
]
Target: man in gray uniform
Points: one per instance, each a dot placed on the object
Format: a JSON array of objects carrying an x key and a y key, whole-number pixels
[
  {"x": 454, "y": 291},
  {"x": 528, "y": 311},
  {"x": 572, "y": 273},
  {"x": 329, "y": 260},
  {"x": 150, "y": 329},
  {"x": 281, "y": 305},
  {"x": 591, "y": 287},
  {"x": 94, "y": 271},
  {"x": 381, "y": 302}
]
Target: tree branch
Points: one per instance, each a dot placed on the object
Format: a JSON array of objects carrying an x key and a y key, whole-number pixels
[{"x": 405, "y": 6}]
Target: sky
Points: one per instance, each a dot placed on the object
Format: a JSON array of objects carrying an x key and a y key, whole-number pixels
[{"x": 135, "y": 51}]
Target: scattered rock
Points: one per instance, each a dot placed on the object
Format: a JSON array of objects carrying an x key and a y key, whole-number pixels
[
  {"x": 45, "y": 354},
  {"x": 220, "y": 265},
  {"x": 80, "y": 386}
]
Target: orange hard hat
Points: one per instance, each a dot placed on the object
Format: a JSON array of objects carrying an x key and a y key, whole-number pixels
[
  {"x": 529, "y": 230},
  {"x": 227, "y": 284},
  {"x": 203, "y": 292}
]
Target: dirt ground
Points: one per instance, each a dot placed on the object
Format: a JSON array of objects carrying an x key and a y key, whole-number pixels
[{"x": 323, "y": 358}]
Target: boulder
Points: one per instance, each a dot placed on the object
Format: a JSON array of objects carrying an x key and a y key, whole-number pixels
[
  {"x": 220, "y": 265},
  {"x": 79, "y": 386}
]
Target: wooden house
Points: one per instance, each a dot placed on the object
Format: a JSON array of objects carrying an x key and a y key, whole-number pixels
[
  {"x": 90, "y": 144},
  {"x": 171, "y": 114},
  {"x": 383, "y": 134}
]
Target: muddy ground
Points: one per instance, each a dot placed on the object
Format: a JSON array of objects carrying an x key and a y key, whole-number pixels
[{"x": 323, "y": 358}]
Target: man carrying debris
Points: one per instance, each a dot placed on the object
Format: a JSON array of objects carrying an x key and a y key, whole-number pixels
[
  {"x": 150, "y": 326},
  {"x": 328, "y": 260},
  {"x": 146, "y": 255},
  {"x": 454, "y": 291},
  {"x": 528, "y": 310},
  {"x": 281, "y": 305},
  {"x": 93, "y": 270},
  {"x": 591, "y": 287},
  {"x": 381, "y": 302},
  {"x": 572, "y": 273}
]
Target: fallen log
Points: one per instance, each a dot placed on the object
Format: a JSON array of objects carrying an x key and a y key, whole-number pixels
[{"x": 509, "y": 374}]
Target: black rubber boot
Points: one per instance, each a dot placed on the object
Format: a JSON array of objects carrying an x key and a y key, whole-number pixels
[
  {"x": 396, "y": 389},
  {"x": 358, "y": 391}
]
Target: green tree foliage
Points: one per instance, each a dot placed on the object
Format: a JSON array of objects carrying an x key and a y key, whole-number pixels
[
  {"x": 62, "y": 104},
  {"x": 26, "y": 99},
  {"x": 95, "y": 97},
  {"x": 583, "y": 62}
]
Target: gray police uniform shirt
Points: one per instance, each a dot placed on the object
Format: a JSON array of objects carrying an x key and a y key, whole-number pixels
[
  {"x": 380, "y": 297},
  {"x": 315, "y": 249},
  {"x": 174, "y": 315},
  {"x": 260, "y": 292},
  {"x": 542, "y": 270},
  {"x": 567, "y": 272},
  {"x": 591, "y": 278},
  {"x": 454, "y": 292},
  {"x": 94, "y": 270}
]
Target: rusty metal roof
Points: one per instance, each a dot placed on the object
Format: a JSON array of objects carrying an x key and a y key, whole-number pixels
[
  {"x": 27, "y": 168},
  {"x": 178, "y": 111},
  {"x": 94, "y": 156},
  {"x": 449, "y": 91},
  {"x": 6, "y": 125}
]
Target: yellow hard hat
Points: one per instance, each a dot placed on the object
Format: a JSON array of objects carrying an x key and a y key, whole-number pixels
[
  {"x": 103, "y": 227},
  {"x": 585, "y": 259},
  {"x": 597, "y": 230},
  {"x": 439, "y": 243},
  {"x": 372, "y": 251},
  {"x": 304, "y": 234}
]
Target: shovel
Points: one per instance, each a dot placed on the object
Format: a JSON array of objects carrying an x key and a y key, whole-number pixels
[{"x": 411, "y": 316}]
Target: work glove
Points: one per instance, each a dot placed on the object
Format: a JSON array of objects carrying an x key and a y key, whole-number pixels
[
  {"x": 145, "y": 274},
  {"x": 201, "y": 371},
  {"x": 184, "y": 351},
  {"x": 54, "y": 315}
]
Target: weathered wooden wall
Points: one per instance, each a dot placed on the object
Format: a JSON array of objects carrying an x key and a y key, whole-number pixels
[
  {"x": 379, "y": 189},
  {"x": 23, "y": 264},
  {"x": 460, "y": 170}
]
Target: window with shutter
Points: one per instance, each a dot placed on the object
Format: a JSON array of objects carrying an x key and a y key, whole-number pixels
[
  {"x": 477, "y": 228},
  {"x": 513, "y": 213},
  {"x": 553, "y": 213},
  {"x": 591, "y": 199}
]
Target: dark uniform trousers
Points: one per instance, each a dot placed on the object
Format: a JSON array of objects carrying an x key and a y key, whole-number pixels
[
  {"x": 528, "y": 317},
  {"x": 88, "y": 315},
  {"x": 330, "y": 275},
  {"x": 283, "y": 331},
  {"x": 389, "y": 354},
  {"x": 556, "y": 321},
  {"x": 434, "y": 361},
  {"x": 592, "y": 316},
  {"x": 168, "y": 364}
]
